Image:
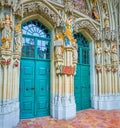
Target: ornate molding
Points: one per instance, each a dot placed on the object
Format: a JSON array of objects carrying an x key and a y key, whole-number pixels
[
  {"x": 87, "y": 25},
  {"x": 42, "y": 9}
]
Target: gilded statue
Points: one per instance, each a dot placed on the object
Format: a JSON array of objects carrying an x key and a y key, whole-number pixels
[
  {"x": 68, "y": 32},
  {"x": 6, "y": 26}
]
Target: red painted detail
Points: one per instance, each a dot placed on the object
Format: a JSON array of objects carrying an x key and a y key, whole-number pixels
[{"x": 68, "y": 70}]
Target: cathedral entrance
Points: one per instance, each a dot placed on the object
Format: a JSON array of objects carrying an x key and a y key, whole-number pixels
[
  {"x": 35, "y": 70},
  {"x": 82, "y": 77}
]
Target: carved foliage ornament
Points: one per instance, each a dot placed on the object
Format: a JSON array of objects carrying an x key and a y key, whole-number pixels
[
  {"x": 16, "y": 63},
  {"x": 98, "y": 68},
  {"x": 4, "y": 61},
  {"x": 13, "y": 3}
]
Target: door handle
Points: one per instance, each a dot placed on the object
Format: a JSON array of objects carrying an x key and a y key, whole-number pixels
[
  {"x": 32, "y": 88},
  {"x": 27, "y": 89}
]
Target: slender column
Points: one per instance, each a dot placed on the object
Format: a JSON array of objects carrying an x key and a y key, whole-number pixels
[{"x": 5, "y": 83}]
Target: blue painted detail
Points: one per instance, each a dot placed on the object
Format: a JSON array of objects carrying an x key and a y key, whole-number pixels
[
  {"x": 35, "y": 71},
  {"x": 67, "y": 42},
  {"x": 82, "y": 77}
]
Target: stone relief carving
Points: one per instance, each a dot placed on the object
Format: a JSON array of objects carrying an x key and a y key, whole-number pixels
[
  {"x": 6, "y": 26},
  {"x": 88, "y": 26},
  {"x": 41, "y": 8},
  {"x": 98, "y": 54},
  {"x": 68, "y": 6}
]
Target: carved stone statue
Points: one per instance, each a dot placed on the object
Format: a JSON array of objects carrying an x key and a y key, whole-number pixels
[
  {"x": 114, "y": 54},
  {"x": 107, "y": 54},
  {"x": 59, "y": 46},
  {"x": 59, "y": 52},
  {"x": 6, "y": 26},
  {"x": 98, "y": 54},
  {"x": 106, "y": 21},
  {"x": 75, "y": 53},
  {"x": 95, "y": 14},
  {"x": 18, "y": 38}
]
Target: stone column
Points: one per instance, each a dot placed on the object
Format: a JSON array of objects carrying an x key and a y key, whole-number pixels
[
  {"x": 9, "y": 65},
  {"x": 65, "y": 65}
]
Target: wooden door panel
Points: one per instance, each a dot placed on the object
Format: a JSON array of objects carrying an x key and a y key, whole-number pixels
[
  {"x": 42, "y": 88},
  {"x": 26, "y": 89}
]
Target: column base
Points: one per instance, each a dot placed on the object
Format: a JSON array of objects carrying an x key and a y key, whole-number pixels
[
  {"x": 9, "y": 115},
  {"x": 64, "y": 107},
  {"x": 106, "y": 102}
]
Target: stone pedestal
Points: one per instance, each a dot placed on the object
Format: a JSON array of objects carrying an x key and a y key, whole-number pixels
[{"x": 9, "y": 115}]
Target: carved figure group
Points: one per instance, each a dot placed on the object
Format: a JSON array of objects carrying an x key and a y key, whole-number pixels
[{"x": 6, "y": 26}]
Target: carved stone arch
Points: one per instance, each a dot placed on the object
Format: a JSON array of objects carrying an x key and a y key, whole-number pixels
[
  {"x": 86, "y": 25},
  {"x": 43, "y": 8}
]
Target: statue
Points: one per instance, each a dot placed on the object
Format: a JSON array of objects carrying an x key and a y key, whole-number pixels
[
  {"x": 75, "y": 53},
  {"x": 106, "y": 21},
  {"x": 95, "y": 14},
  {"x": 59, "y": 46},
  {"x": 98, "y": 54},
  {"x": 18, "y": 38},
  {"x": 6, "y": 26},
  {"x": 68, "y": 32},
  {"x": 114, "y": 54},
  {"x": 107, "y": 54}
]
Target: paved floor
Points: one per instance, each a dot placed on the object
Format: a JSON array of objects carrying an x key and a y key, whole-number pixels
[{"x": 84, "y": 119}]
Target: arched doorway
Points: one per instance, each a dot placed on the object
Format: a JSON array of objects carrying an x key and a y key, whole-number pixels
[
  {"x": 82, "y": 77},
  {"x": 35, "y": 70}
]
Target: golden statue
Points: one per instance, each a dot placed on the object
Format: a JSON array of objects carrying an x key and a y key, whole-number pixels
[{"x": 69, "y": 31}]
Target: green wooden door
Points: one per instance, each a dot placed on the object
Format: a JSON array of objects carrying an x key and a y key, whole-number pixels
[
  {"x": 42, "y": 88},
  {"x": 26, "y": 88},
  {"x": 35, "y": 71},
  {"x": 82, "y": 77}
]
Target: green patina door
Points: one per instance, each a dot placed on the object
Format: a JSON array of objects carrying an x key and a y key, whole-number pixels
[
  {"x": 82, "y": 77},
  {"x": 35, "y": 70}
]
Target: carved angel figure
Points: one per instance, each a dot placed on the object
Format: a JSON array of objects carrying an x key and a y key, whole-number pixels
[
  {"x": 6, "y": 26},
  {"x": 98, "y": 54}
]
